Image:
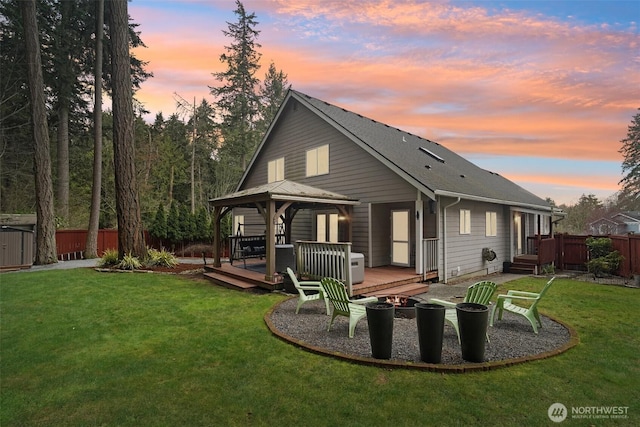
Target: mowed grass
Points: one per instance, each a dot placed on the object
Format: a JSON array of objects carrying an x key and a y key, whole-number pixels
[{"x": 80, "y": 347}]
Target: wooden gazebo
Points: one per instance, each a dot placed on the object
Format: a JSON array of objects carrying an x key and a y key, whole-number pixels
[{"x": 281, "y": 199}]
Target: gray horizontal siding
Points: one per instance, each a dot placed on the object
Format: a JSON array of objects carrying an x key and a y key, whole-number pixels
[
  {"x": 352, "y": 171},
  {"x": 465, "y": 250}
]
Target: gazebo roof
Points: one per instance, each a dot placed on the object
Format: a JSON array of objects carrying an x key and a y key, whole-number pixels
[{"x": 282, "y": 191}]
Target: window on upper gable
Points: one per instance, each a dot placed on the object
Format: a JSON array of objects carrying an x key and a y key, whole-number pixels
[
  {"x": 275, "y": 171},
  {"x": 465, "y": 221},
  {"x": 491, "y": 228},
  {"x": 318, "y": 161}
]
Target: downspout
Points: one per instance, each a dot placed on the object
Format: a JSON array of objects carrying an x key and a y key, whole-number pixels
[{"x": 444, "y": 240}]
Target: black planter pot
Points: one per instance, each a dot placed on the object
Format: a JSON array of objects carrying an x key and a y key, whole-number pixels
[
  {"x": 380, "y": 320},
  {"x": 473, "y": 320},
  {"x": 430, "y": 322}
]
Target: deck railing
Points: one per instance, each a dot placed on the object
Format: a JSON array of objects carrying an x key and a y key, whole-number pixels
[
  {"x": 430, "y": 252},
  {"x": 316, "y": 260}
]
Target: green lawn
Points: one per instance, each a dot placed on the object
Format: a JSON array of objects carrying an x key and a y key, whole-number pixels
[{"x": 85, "y": 348}]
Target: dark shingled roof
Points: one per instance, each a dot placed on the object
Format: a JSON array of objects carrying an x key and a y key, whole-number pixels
[{"x": 422, "y": 162}]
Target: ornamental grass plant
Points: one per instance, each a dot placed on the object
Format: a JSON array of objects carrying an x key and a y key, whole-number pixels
[{"x": 80, "y": 347}]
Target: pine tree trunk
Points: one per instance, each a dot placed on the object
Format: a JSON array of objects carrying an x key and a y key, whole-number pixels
[
  {"x": 62, "y": 186},
  {"x": 45, "y": 227},
  {"x": 64, "y": 93},
  {"x": 130, "y": 232},
  {"x": 91, "y": 250}
]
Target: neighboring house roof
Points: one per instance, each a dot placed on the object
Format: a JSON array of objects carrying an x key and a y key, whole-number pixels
[
  {"x": 427, "y": 165},
  {"x": 626, "y": 217},
  {"x": 283, "y": 191},
  {"x": 611, "y": 221},
  {"x": 620, "y": 218}
]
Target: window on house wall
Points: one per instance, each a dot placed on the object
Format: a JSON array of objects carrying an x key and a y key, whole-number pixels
[
  {"x": 275, "y": 170},
  {"x": 238, "y": 225},
  {"x": 491, "y": 224},
  {"x": 465, "y": 221},
  {"x": 327, "y": 228},
  {"x": 318, "y": 161},
  {"x": 321, "y": 228}
]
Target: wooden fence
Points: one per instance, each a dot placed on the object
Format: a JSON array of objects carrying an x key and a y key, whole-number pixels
[
  {"x": 71, "y": 244},
  {"x": 572, "y": 252}
]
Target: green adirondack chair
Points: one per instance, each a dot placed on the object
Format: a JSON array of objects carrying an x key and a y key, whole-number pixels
[
  {"x": 479, "y": 293},
  {"x": 304, "y": 287},
  {"x": 506, "y": 302},
  {"x": 355, "y": 310}
]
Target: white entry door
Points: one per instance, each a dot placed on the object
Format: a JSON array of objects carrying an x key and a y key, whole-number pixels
[{"x": 400, "y": 232}]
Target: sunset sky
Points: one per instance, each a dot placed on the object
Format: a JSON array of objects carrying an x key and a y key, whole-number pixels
[{"x": 541, "y": 92}]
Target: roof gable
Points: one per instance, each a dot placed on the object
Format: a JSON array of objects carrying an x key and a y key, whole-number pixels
[{"x": 427, "y": 165}]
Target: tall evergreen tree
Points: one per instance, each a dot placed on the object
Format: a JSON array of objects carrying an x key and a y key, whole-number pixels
[
  {"x": 91, "y": 246},
  {"x": 173, "y": 224},
  {"x": 158, "y": 228},
  {"x": 130, "y": 231},
  {"x": 273, "y": 90},
  {"x": 237, "y": 96},
  {"x": 45, "y": 227},
  {"x": 631, "y": 165}
]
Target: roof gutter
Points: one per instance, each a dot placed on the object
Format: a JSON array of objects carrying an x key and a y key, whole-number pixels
[
  {"x": 491, "y": 200},
  {"x": 445, "y": 260}
]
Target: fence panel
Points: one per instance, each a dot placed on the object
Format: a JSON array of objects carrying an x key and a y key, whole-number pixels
[
  {"x": 634, "y": 254},
  {"x": 574, "y": 252},
  {"x": 621, "y": 244},
  {"x": 70, "y": 244}
]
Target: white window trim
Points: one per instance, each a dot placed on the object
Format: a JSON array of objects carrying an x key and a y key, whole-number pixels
[
  {"x": 275, "y": 170},
  {"x": 465, "y": 221},
  {"x": 317, "y": 161},
  {"x": 491, "y": 224}
]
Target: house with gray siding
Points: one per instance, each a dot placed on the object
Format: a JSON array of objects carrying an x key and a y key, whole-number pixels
[{"x": 420, "y": 205}]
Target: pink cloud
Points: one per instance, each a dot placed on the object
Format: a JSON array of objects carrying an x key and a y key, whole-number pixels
[{"x": 501, "y": 82}]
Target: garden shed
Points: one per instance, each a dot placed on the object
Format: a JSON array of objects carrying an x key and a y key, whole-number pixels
[{"x": 16, "y": 241}]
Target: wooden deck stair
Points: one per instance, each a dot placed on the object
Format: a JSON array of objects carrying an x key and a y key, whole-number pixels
[
  {"x": 243, "y": 280},
  {"x": 524, "y": 264},
  {"x": 403, "y": 287}
]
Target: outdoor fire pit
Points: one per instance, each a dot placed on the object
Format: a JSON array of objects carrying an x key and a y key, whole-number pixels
[{"x": 404, "y": 305}]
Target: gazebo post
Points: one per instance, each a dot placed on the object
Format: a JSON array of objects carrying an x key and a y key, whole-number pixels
[
  {"x": 216, "y": 236},
  {"x": 270, "y": 220}
]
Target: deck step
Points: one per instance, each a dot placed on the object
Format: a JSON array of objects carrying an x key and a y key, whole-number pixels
[
  {"x": 408, "y": 289},
  {"x": 242, "y": 280},
  {"x": 382, "y": 288},
  {"x": 522, "y": 268},
  {"x": 230, "y": 282}
]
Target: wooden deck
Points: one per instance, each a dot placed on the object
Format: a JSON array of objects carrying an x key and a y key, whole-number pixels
[{"x": 379, "y": 281}]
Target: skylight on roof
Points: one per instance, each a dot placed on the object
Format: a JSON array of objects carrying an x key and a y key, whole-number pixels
[{"x": 432, "y": 154}]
